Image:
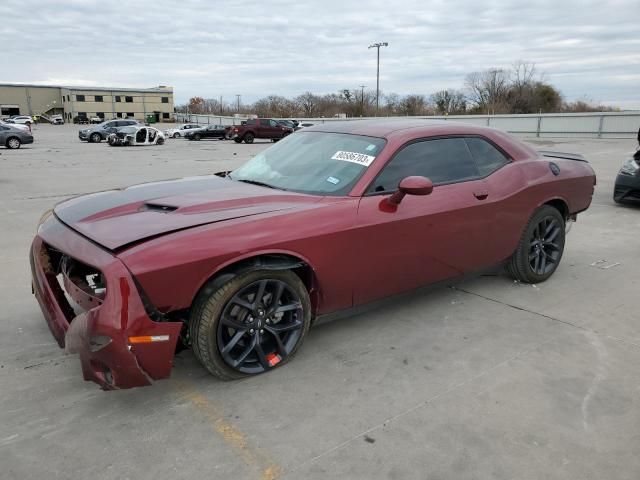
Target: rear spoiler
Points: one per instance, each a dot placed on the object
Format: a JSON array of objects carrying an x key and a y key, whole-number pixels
[{"x": 566, "y": 156}]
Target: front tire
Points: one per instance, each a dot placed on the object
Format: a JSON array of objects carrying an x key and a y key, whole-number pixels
[
  {"x": 251, "y": 324},
  {"x": 237, "y": 140},
  {"x": 176, "y": 135},
  {"x": 197, "y": 136},
  {"x": 95, "y": 138},
  {"x": 541, "y": 247},
  {"x": 13, "y": 143}
]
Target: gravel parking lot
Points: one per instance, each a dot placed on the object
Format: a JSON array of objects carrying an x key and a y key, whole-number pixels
[{"x": 484, "y": 379}]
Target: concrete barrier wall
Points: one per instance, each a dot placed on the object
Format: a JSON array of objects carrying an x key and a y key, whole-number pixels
[{"x": 591, "y": 125}]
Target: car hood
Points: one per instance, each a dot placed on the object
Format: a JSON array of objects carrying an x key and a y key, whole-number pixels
[{"x": 117, "y": 218}]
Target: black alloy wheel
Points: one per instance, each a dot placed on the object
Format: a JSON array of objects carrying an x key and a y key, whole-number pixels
[
  {"x": 544, "y": 247},
  {"x": 251, "y": 324},
  {"x": 197, "y": 136},
  {"x": 248, "y": 138},
  {"x": 541, "y": 247},
  {"x": 260, "y": 326}
]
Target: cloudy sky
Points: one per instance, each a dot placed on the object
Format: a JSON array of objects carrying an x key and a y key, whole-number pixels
[{"x": 588, "y": 49}]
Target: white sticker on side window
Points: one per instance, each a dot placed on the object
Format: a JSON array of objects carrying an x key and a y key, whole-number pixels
[{"x": 354, "y": 157}]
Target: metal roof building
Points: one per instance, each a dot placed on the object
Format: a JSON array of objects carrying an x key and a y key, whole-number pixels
[{"x": 70, "y": 101}]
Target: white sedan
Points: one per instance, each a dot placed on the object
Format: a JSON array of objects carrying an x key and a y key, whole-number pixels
[
  {"x": 135, "y": 135},
  {"x": 181, "y": 130}
]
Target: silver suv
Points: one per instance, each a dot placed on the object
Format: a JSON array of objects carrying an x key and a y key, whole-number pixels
[{"x": 101, "y": 132}]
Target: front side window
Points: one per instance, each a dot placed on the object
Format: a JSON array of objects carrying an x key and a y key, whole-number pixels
[
  {"x": 488, "y": 158},
  {"x": 273, "y": 123},
  {"x": 251, "y": 122},
  {"x": 445, "y": 160},
  {"x": 265, "y": 123},
  {"x": 319, "y": 163}
]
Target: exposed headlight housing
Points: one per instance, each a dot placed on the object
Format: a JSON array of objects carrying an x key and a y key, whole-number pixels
[{"x": 630, "y": 167}]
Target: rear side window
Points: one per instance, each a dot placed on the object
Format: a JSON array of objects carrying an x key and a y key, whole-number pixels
[
  {"x": 488, "y": 158},
  {"x": 265, "y": 123},
  {"x": 445, "y": 160}
]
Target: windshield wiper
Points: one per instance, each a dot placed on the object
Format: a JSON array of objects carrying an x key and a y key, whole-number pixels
[{"x": 260, "y": 184}]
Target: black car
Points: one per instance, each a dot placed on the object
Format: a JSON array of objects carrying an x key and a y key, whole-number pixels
[
  {"x": 289, "y": 123},
  {"x": 211, "y": 131},
  {"x": 627, "y": 186}
]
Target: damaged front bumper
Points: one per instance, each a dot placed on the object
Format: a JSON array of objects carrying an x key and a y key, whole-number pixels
[{"x": 106, "y": 323}]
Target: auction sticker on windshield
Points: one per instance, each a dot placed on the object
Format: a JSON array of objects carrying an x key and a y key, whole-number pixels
[{"x": 354, "y": 157}]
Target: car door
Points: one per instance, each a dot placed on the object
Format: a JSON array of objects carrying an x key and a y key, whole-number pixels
[
  {"x": 508, "y": 208},
  {"x": 425, "y": 238},
  {"x": 264, "y": 129}
]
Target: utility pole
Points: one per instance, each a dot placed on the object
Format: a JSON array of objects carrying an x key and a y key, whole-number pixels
[
  {"x": 238, "y": 98},
  {"x": 377, "y": 46},
  {"x": 362, "y": 100},
  {"x": 221, "y": 107}
]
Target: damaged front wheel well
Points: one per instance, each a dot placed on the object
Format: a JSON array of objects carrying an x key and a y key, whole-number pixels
[{"x": 271, "y": 261}]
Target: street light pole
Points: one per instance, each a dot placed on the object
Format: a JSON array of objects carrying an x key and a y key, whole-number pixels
[
  {"x": 377, "y": 46},
  {"x": 238, "y": 96}
]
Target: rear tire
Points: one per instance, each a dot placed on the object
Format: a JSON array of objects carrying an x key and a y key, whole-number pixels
[
  {"x": 228, "y": 325},
  {"x": 13, "y": 143},
  {"x": 248, "y": 138},
  {"x": 237, "y": 140},
  {"x": 160, "y": 141},
  {"x": 541, "y": 247},
  {"x": 197, "y": 136}
]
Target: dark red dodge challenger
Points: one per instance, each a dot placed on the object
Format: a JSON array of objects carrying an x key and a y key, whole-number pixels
[{"x": 238, "y": 265}]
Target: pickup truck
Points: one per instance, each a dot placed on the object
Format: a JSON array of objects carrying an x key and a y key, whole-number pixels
[{"x": 259, "y": 128}]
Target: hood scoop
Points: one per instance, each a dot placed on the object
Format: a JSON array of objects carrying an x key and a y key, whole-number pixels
[{"x": 156, "y": 207}]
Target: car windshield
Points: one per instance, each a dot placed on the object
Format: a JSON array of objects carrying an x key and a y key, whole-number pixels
[
  {"x": 312, "y": 162},
  {"x": 127, "y": 129}
]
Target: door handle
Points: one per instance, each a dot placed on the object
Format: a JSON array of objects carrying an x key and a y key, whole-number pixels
[{"x": 481, "y": 194}]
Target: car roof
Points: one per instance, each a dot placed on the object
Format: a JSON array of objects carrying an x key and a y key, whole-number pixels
[
  {"x": 381, "y": 127},
  {"x": 407, "y": 129}
]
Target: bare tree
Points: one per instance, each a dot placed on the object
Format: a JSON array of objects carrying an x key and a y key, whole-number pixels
[
  {"x": 449, "y": 101},
  {"x": 308, "y": 103},
  {"x": 414, "y": 105},
  {"x": 523, "y": 74},
  {"x": 488, "y": 89}
]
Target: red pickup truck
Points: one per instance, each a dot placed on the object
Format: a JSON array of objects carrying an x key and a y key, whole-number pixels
[{"x": 259, "y": 128}]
